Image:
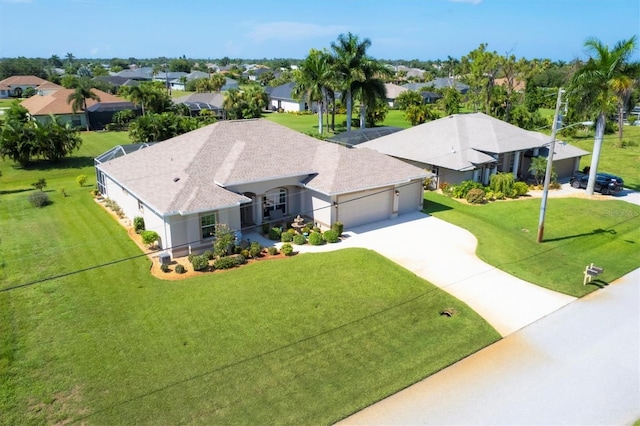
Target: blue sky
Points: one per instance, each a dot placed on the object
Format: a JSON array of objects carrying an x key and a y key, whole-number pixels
[{"x": 250, "y": 29}]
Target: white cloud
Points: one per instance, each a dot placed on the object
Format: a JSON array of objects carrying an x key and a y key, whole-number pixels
[
  {"x": 291, "y": 31},
  {"x": 466, "y": 1}
]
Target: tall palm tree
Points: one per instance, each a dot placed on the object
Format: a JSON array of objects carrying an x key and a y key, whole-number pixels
[
  {"x": 70, "y": 58},
  {"x": 593, "y": 86},
  {"x": 78, "y": 99},
  {"x": 349, "y": 53},
  {"x": 371, "y": 87},
  {"x": 311, "y": 80},
  {"x": 136, "y": 94}
]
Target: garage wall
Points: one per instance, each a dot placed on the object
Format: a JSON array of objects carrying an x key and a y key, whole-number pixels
[
  {"x": 410, "y": 197},
  {"x": 567, "y": 167},
  {"x": 365, "y": 206}
]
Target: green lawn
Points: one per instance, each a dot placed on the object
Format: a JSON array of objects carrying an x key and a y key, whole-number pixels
[
  {"x": 577, "y": 232},
  {"x": 304, "y": 340}
]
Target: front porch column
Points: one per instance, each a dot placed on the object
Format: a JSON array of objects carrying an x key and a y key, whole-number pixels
[
  {"x": 260, "y": 209},
  {"x": 516, "y": 164}
]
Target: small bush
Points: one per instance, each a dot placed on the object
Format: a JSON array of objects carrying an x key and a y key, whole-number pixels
[
  {"x": 138, "y": 224},
  {"x": 331, "y": 236},
  {"x": 245, "y": 253},
  {"x": 461, "y": 190},
  {"x": 272, "y": 250},
  {"x": 81, "y": 179},
  {"x": 255, "y": 249},
  {"x": 191, "y": 256},
  {"x": 40, "y": 184},
  {"x": 499, "y": 195},
  {"x": 208, "y": 254},
  {"x": 95, "y": 192},
  {"x": 317, "y": 229},
  {"x": 520, "y": 188},
  {"x": 265, "y": 228},
  {"x": 274, "y": 233},
  {"x": 490, "y": 196},
  {"x": 307, "y": 228},
  {"x": 315, "y": 239},
  {"x": 291, "y": 231},
  {"x": 338, "y": 227},
  {"x": 501, "y": 182},
  {"x": 299, "y": 240},
  {"x": 476, "y": 196},
  {"x": 149, "y": 237},
  {"x": 62, "y": 192},
  {"x": 199, "y": 263},
  {"x": 286, "y": 237},
  {"x": 287, "y": 249},
  {"x": 226, "y": 262},
  {"x": 164, "y": 267},
  {"x": 39, "y": 199},
  {"x": 180, "y": 269}
]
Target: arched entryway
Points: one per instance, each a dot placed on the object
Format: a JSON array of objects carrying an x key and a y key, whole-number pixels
[{"x": 247, "y": 211}]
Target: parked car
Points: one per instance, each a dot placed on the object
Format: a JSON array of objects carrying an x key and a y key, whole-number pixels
[{"x": 605, "y": 183}]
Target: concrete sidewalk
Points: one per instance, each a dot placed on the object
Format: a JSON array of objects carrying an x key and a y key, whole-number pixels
[{"x": 444, "y": 255}]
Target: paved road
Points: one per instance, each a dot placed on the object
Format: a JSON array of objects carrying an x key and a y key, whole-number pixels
[{"x": 577, "y": 366}]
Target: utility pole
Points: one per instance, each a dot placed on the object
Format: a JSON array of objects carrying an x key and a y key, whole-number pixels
[{"x": 547, "y": 176}]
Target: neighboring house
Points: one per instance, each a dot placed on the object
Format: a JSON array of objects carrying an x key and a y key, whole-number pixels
[
  {"x": 16, "y": 86},
  {"x": 518, "y": 85},
  {"x": 138, "y": 74},
  {"x": 393, "y": 91},
  {"x": 472, "y": 147},
  {"x": 100, "y": 113},
  {"x": 115, "y": 81},
  {"x": 197, "y": 102},
  {"x": 281, "y": 98},
  {"x": 47, "y": 88},
  {"x": 230, "y": 84},
  {"x": 243, "y": 173},
  {"x": 438, "y": 83}
]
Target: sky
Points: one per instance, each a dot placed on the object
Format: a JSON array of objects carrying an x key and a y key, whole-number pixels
[{"x": 256, "y": 29}]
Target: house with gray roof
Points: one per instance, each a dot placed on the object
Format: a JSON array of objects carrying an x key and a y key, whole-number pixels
[
  {"x": 212, "y": 101},
  {"x": 246, "y": 172},
  {"x": 472, "y": 147},
  {"x": 281, "y": 99}
]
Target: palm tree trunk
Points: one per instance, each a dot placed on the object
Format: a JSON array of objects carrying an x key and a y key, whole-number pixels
[
  {"x": 620, "y": 123},
  {"x": 320, "y": 117},
  {"x": 86, "y": 113},
  {"x": 595, "y": 157},
  {"x": 363, "y": 115},
  {"x": 349, "y": 109}
]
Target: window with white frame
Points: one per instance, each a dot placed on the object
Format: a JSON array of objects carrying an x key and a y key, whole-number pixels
[
  {"x": 276, "y": 199},
  {"x": 208, "y": 226}
]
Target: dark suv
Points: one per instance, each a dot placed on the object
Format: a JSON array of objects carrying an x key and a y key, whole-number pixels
[{"x": 605, "y": 182}]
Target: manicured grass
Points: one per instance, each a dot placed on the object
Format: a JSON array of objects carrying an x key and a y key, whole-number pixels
[
  {"x": 6, "y": 103},
  {"x": 310, "y": 339},
  {"x": 577, "y": 232}
]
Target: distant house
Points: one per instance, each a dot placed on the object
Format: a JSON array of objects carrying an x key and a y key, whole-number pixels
[
  {"x": 240, "y": 173},
  {"x": 16, "y": 86},
  {"x": 518, "y": 85},
  {"x": 197, "y": 102},
  {"x": 116, "y": 81},
  {"x": 438, "y": 83},
  {"x": 473, "y": 147},
  {"x": 393, "y": 91},
  {"x": 281, "y": 99},
  {"x": 138, "y": 74},
  {"x": 100, "y": 112}
]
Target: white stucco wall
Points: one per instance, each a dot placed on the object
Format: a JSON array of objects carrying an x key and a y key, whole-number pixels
[
  {"x": 365, "y": 206},
  {"x": 410, "y": 197}
]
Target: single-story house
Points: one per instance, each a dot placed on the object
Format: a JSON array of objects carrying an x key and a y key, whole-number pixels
[
  {"x": 438, "y": 83},
  {"x": 212, "y": 101},
  {"x": 138, "y": 74},
  {"x": 281, "y": 98},
  {"x": 16, "y": 85},
  {"x": 100, "y": 112},
  {"x": 473, "y": 147},
  {"x": 243, "y": 173},
  {"x": 393, "y": 91}
]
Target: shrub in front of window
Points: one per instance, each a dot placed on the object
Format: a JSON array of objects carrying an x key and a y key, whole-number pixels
[
  {"x": 331, "y": 236},
  {"x": 180, "y": 269},
  {"x": 299, "y": 240},
  {"x": 138, "y": 224},
  {"x": 208, "y": 254},
  {"x": 286, "y": 237},
  {"x": 224, "y": 243},
  {"x": 199, "y": 263},
  {"x": 476, "y": 196},
  {"x": 287, "y": 249},
  {"x": 265, "y": 228},
  {"x": 315, "y": 239},
  {"x": 274, "y": 233},
  {"x": 39, "y": 199}
]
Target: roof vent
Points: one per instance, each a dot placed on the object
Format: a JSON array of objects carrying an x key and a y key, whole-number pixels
[{"x": 175, "y": 179}]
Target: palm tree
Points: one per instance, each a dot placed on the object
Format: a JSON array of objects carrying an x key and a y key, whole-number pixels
[
  {"x": 78, "y": 99},
  {"x": 217, "y": 81},
  {"x": 70, "y": 58},
  {"x": 136, "y": 94},
  {"x": 593, "y": 85},
  {"x": 371, "y": 87},
  {"x": 311, "y": 79},
  {"x": 349, "y": 53}
]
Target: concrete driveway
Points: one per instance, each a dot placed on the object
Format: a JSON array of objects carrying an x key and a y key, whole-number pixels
[{"x": 444, "y": 254}]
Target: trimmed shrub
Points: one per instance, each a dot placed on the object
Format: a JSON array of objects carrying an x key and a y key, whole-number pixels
[
  {"x": 226, "y": 262},
  {"x": 287, "y": 249},
  {"x": 245, "y": 253},
  {"x": 180, "y": 269},
  {"x": 338, "y": 227},
  {"x": 95, "y": 192},
  {"x": 39, "y": 199},
  {"x": 490, "y": 196},
  {"x": 265, "y": 228},
  {"x": 299, "y": 240},
  {"x": 149, "y": 237},
  {"x": 208, "y": 254},
  {"x": 521, "y": 188},
  {"x": 138, "y": 224},
  {"x": 286, "y": 237},
  {"x": 81, "y": 179},
  {"x": 291, "y": 231},
  {"x": 255, "y": 249},
  {"x": 331, "y": 236},
  {"x": 272, "y": 250},
  {"x": 315, "y": 239},
  {"x": 476, "y": 196},
  {"x": 317, "y": 229},
  {"x": 199, "y": 263},
  {"x": 500, "y": 195},
  {"x": 274, "y": 233},
  {"x": 461, "y": 190},
  {"x": 164, "y": 267}
]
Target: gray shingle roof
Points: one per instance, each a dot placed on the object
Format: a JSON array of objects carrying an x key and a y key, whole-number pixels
[
  {"x": 457, "y": 142},
  {"x": 190, "y": 172}
]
